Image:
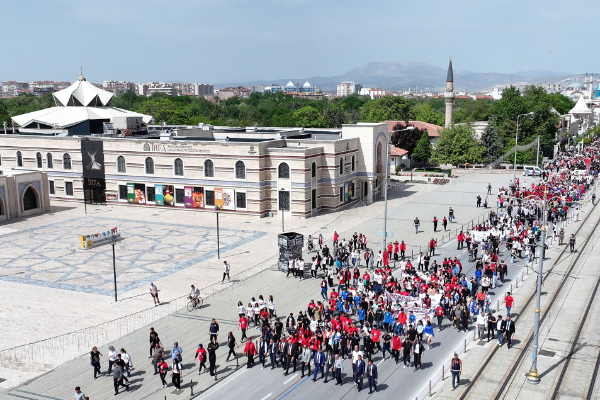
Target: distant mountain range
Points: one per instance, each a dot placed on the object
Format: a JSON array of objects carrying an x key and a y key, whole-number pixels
[{"x": 400, "y": 75}]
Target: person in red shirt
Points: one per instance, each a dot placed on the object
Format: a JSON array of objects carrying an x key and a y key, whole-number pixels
[
  {"x": 243, "y": 325},
  {"x": 439, "y": 312},
  {"x": 396, "y": 346},
  {"x": 509, "y": 303},
  {"x": 375, "y": 335},
  {"x": 396, "y": 250},
  {"x": 402, "y": 249},
  {"x": 201, "y": 355},
  {"x": 250, "y": 352},
  {"x": 335, "y": 238},
  {"x": 402, "y": 317}
]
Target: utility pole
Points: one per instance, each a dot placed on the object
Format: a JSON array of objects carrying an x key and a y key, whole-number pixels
[{"x": 532, "y": 375}]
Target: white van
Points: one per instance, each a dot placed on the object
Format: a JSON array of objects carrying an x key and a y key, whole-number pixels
[{"x": 530, "y": 170}]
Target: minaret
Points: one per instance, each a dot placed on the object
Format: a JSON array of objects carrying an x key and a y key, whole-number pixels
[{"x": 449, "y": 94}]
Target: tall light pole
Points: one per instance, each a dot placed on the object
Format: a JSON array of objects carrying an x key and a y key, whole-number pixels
[
  {"x": 218, "y": 242},
  {"x": 385, "y": 183},
  {"x": 113, "y": 241},
  {"x": 532, "y": 375},
  {"x": 516, "y": 140}
]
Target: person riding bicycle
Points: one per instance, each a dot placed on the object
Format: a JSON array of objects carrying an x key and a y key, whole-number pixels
[
  {"x": 194, "y": 294},
  {"x": 309, "y": 243}
]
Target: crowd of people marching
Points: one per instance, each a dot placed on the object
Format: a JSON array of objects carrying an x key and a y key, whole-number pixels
[{"x": 386, "y": 302}]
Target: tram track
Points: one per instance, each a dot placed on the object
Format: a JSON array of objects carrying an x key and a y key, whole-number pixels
[{"x": 510, "y": 374}]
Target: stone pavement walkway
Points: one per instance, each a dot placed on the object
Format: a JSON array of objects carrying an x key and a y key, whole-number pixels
[{"x": 401, "y": 211}]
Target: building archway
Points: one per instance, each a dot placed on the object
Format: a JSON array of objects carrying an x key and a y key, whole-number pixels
[{"x": 30, "y": 199}]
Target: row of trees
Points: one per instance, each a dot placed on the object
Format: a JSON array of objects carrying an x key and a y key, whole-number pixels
[
  {"x": 273, "y": 109},
  {"x": 457, "y": 145}
]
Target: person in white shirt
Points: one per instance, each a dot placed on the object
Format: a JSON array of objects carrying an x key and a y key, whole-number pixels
[
  {"x": 226, "y": 269},
  {"x": 194, "y": 294},
  {"x": 154, "y": 293},
  {"x": 355, "y": 353},
  {"x": 482, "y": 321}
]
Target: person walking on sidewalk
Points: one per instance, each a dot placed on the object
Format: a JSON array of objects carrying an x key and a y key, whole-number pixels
[
  {"x": 572, "y": 243},
  {"x": 201, "y": 356},
  {"x": 451, "y": 215},
  {"x": 500, "y": 329},
  {"x": 226, "y": 269},
  {"x": 435, "y": 222},
  {"x": 118, "y": 376},
  {"x": 176, "y": 373},
  {"x": 489, "y": 188},
  {"x": 432, "y": 247},
  {"x": 416, "y": 223},
  {"x": 510, "y": 331},
  {"x": 79, "y": 395},
  {"x": 509, "y": 303},
  {"x": 154, "y": 293},
  {"x": 444, "y": 223},
  {"x": 456, "y": 368},
  {"x": 250, "y": 352},
  {"x": 478, "y": 201},
  {"x": 95, "y": 361}
]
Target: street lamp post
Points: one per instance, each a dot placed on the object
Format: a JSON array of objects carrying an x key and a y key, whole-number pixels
[
  {"x": 385, "y": 183},
  {"x": 218, "y": 241},
  {"x": 113, "y": 241},
  {"x": 532, "y": 375},
  {"x": 516, "y": 140}
]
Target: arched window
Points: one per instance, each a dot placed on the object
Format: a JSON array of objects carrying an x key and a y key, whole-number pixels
[
  {"x": 284, "y": 171},
  {"x": 121, "y": 164},
  {"x": 66, "y": 161},
  {"x": 38, "y": 158},
  {"x": 240, "y": 170},
  {"x": 29, "y": 199},
  {"x": 178, "y": 167},
  {"x": 353, "y": 165},
  {"x": 341, "y": 166},
  {"x": 209, "y": 169},
  {"x": 149, "y": 166},
  {"x": 313, "y": 170},
  {"x": 49, "y": 163},
  {"x": 19, "y": 159}
]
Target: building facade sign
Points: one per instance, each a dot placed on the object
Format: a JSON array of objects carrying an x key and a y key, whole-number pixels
[{"x": 172, "y": 148}]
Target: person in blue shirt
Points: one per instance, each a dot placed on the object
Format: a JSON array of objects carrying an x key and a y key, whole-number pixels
[
  {"x": 428, "y": 333},
  {"x": 398, "y": 328},
  {"x": 361, "y": 317},
  {"x": 478, "y": 276},
  {"x": 338, "y": 264},
  {"x": 357, "y": 299},
  {"x": 345, "y": 294},
  {"x": 412, "y": 319},
  {"x": 340, "y": 304},
  {"x": 388, "y": 320}
]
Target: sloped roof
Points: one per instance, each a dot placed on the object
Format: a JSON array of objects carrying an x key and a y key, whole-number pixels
[
  {"x": 450, "y": 74},
  {"x": 432, "y": 129},
  {"x": 82, "y": 93},
  {"x": 396, "y": 151},
  {"x": 65, "y": 117},
  {"x": 290, "y": 83},
  {"x": 580, "y": 107},
  {"x": 307, "y": 84}
]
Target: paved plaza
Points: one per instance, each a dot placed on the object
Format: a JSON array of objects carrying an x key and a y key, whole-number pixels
[
  {"x": 175, "y": 249},
  {"x": 191, "y": 328}
]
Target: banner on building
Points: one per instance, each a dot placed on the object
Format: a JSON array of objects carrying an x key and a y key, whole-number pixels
[
  {"x": 92, "y": 159},
  {"x": 218, "y": 197},
  {"x": 229, "y": 199},
  {"x": 136, "y": 193},
  {"x": 194, "y": 197}
]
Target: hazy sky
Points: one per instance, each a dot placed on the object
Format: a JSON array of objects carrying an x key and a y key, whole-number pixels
[{"x": 226, "y": 41}]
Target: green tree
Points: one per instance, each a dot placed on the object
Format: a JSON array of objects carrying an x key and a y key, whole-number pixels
[
  {"x": 386, "y": 108},
  {"x": 404, "y": 138},
  {"x": 422, "y": 152},
  {"x": 308, "y": 117},
  {"x": 425, "y": 112},
  {"x": 492, "y": 144},
  {"x": 457, "y": 145}
]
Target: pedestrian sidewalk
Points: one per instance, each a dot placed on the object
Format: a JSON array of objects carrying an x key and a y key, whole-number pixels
[{"x": 477, "y": 351}]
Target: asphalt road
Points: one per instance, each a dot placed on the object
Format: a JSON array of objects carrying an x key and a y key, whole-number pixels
[{"x": 267, "y": 384}]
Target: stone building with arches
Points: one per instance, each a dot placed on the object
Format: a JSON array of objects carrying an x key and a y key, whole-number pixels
[
  {"x": 23, "y": 193},
  {"x": 254, "y": 171}
]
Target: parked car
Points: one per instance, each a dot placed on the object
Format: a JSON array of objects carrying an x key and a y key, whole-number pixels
[{"x": 530, "y": 170}]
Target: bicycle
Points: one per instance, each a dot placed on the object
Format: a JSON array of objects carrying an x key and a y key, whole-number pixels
[{"x": 195, "y": 304}]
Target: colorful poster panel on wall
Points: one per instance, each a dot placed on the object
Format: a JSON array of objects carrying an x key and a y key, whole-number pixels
[
  {"x": 218, "y": 197},
  {"x": 229, "y": 199},
  {"x": 194, "y": 197},
  {"x": 136, "y": 193},
  {"x": 164, "y": 195},
  {"x": 346, "y": 188}
]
